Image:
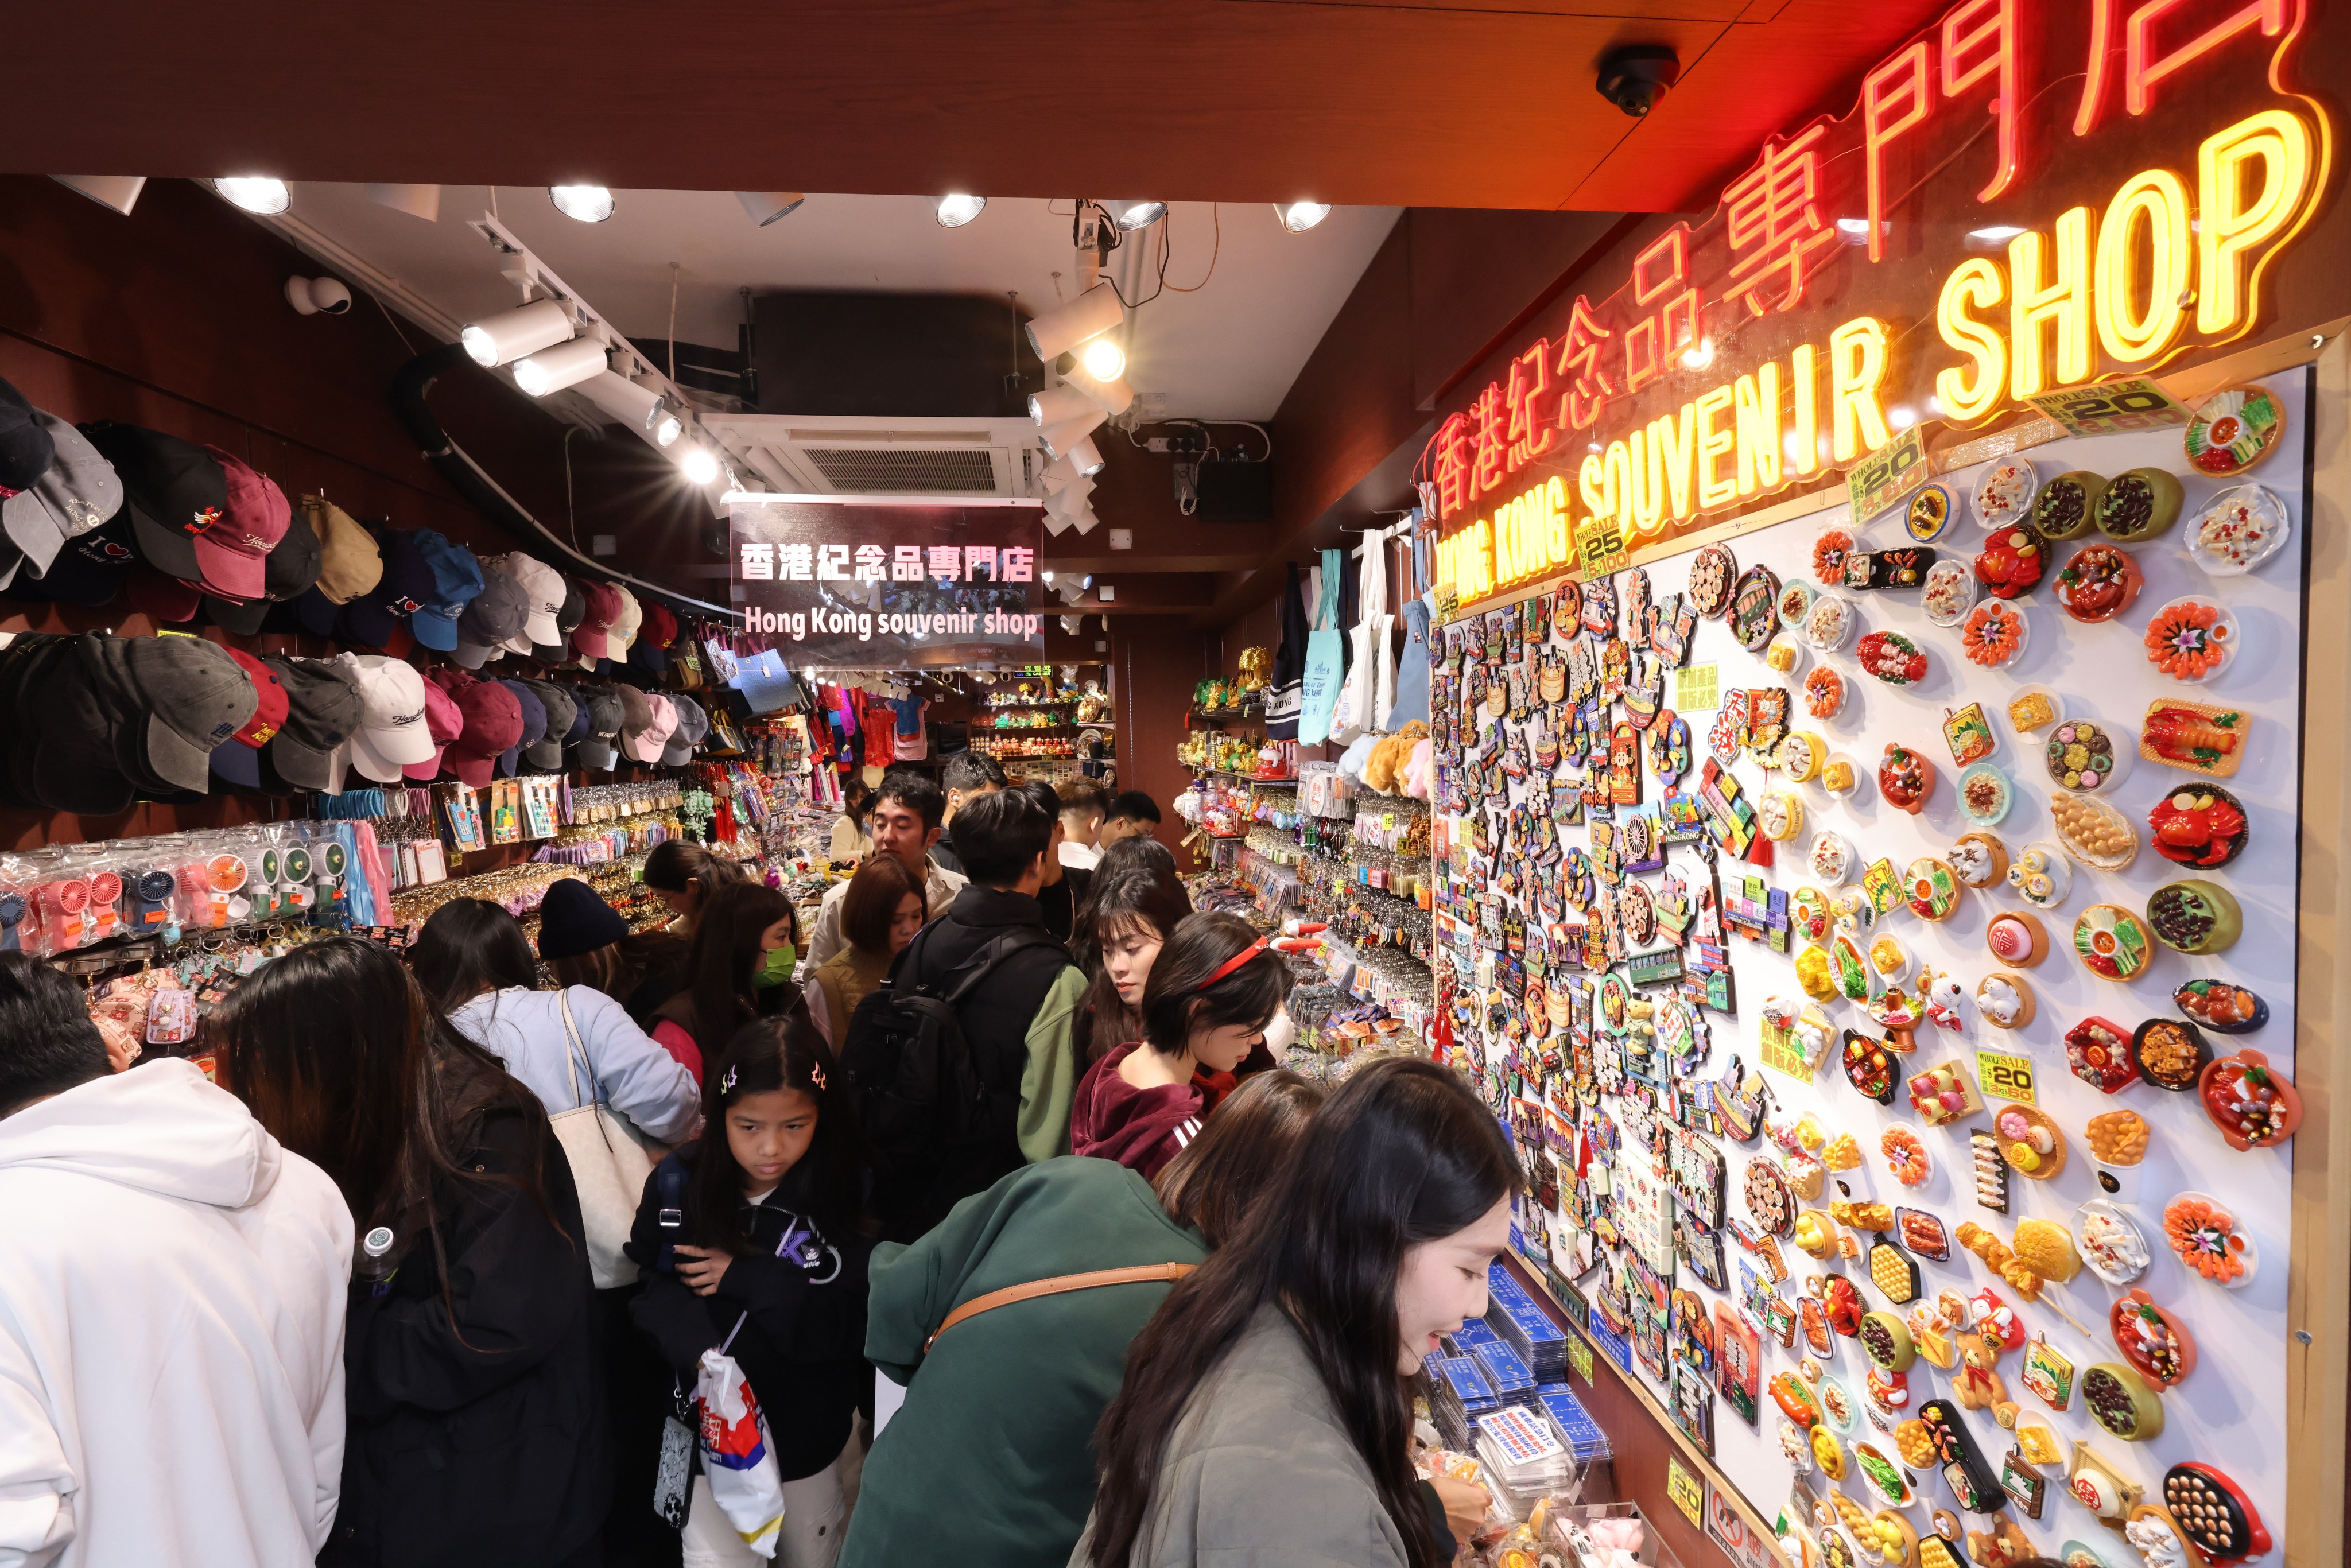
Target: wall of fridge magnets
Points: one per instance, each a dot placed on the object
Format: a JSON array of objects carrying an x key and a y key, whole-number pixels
[{"x": 1911, "y": 1034}]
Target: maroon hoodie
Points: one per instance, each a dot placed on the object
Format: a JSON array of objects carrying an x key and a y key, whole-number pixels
[{"x": 1141, "y": 1129}]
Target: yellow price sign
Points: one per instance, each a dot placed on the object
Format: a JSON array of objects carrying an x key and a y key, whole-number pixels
[
  {"x": 1579, "y": 1356},
  {"x": 1890, "y": 472},
  {"x": 1600, "y": 547},
  {"x": 2006, "y": 1077},
  {"x": 1687, "y": 1491},
  {"x": 2137, "y": 403}
]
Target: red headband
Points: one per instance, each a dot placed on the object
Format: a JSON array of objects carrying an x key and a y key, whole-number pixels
[{"x": 1235, "y": 962}]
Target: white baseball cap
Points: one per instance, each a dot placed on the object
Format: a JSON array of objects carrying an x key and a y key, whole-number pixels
[
  {"x": 542, "y": 585},
  {"x": 393, "y": 733},
  {"x": 624, "y": 630}
]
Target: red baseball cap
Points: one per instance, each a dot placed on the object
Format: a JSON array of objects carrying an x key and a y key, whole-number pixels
[
  {"x": 493, "y": 722},
  {"x": 660, "y": 627},
  {"x": 595, "y": 627},
  {"x": 269, "y": 713},
  {"x": 233, "y": 553},
  {"x": 446, "y": 721}
]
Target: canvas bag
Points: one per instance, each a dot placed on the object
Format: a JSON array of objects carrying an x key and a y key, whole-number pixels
[
  {"x": 1325, "y": 659},
  {"x": 1284, "y": 689},
  {"x": 608, "y": 1166}
]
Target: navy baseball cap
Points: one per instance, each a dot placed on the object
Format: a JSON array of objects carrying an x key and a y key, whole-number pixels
[
  {"x": 456, "y": 581},
  {"x": 91, "y": 571},
  {"x": 534, "y": 726},
  {"x": 372, "y": 617}
]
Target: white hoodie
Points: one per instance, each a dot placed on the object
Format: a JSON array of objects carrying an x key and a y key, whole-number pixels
[{"x": 171, "y": 1293}]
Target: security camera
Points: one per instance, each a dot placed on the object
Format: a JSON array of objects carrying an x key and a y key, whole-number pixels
[
  {"x": 317, "y": 295},
  {"x": 1634, "y": 79}
]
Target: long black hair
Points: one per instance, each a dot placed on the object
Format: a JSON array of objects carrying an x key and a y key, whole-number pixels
[
  {"x": 1224, "y": 1173},
  {"x": 468, "y": 946},
  {"x": 1185, "y": 994},
  {"x": 829, "y": 1183},
  {"x": 725, "y": 959},
  {"x": 1114, "y": 905},
  {"x": 1403, "y": 1153}
]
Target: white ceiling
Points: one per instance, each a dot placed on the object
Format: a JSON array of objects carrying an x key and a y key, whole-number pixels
[{"x": 1230, "y": 349}]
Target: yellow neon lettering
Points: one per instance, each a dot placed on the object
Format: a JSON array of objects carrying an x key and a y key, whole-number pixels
[
  {"x": 1974, "y": 285},
  {"x": 1856, "y": 366},
  {"x": 2037, "y": 298},
  {"x": 1648, "y": 485},
  {"x": 1592, "y": 483},
  {"x": 1804, "y": 379},
  {"x": 2159, "y": 199},
  {"x": 2227, "y": 298},
  {"x": 1713, "y": 446},
  {"x": 1755, "y": 400},
  {"x": 1670, "y": 438},
  {"x": 1555, "y": 520},
  {"x": 1617, "y": 464}
]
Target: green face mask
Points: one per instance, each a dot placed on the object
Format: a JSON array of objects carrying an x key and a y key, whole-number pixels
[{"x": 778, "y": 968}]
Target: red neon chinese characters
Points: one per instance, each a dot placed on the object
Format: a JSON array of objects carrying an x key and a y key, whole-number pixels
[
  {"x": 1448, "y": 452},
  {"x": 1526, "y": 425},
  {"x": 1657, "y": 272},
  {"x": 2142, "y": 66},
  {"x": 1895, "y": 96},
  {"x": 1579, "y": 356},
  {"x": 1490, "y": 440},
  {"x": 1980, "y": 40},
  {"x": 1772, "y": 221}
]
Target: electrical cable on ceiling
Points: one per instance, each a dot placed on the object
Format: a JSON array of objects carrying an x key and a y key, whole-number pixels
[
  {"x": 1216, "y": 212},
  {"x": 571, "y": 508}
]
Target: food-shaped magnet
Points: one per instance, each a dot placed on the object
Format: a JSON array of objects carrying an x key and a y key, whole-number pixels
[
  {"x": 1713, "y": 572},
  {"x": 1885, "y": 1342},
  {"x": 2098, "y": 1053},
  {"x": 1948, "y": 593},
  {"x": 1922, "y": 1234},
  {"x": 2022, "y": 1482},
  {"x": 1883, "y": 889},
  {"x": 2113, "y": 943},
  {"x": 1829, "y": 552},
  {"x": 1892, "y": 1273},
  {"x": 2092, "y": 831},
  {"x": 1857, "y": 981},
  {"x": 1906, "y": 778},
  {"x": 1985, "y": 794},
  {"x": 1829, "y": 622},
  {"x": 2104, "y": 1490},
  {"x": 1943, "y": 1094},
  {"x": 1840, "y": 775},
  {"x": 2004, "y": 495},
  {"x": 1769, "y": 1200},
  {"x": 2004, "y": 1000},
  {"x": 2220, "y": 1007},
  {"x": 2192, "y": 640},
  {"x": 2030, "y": 1142},
  {"x": 1978, "y": 860},
  {"x": 2214, "y": 1513},
  {"x": 1779, "y": 815},
  {"x": 1815, "y": 974},
  {"x": 2042, "y": 876},
  {"x": 1969, "y": 734},
  {"x": 2034, "y": 708},
  {"x": 1870, "y": 1066},
  {"x": 2139, "y": 504},
  {"x": 2206, "y": 1236},
  {"x": 2017, "y": 937},
  {"x": 1754, "y": 607},
  {"x": 2200, "y": 825},
  {"x": 1893, "y": 658},
  {"x": 1931, "y": 888},
  {"x": 2098, "y": 582},
  {"x": 1783, "y": 653},
  {"x": 1904, "y": 568},
  {"x": 2197, "y": 736},
  {"x": 1802, "y": 754},
  {"x": 1823, "y": 692},
  {"x": 2047, "y": 1248},
  {"x": 1808, "y": 907},
  {"x": 1893, "y": 961},
  {"x": 1905, "y": 1156},
  {"x": 2155, "y": 1343},
  {"x": 2063, "y": 508},
  {"x": 2233, "y": 430},
  {"x": 2120, "y": 1400},
  {"x": 2253, "y": 1105},
  {"x": 2048, "y": 1374},
  {"x": 2012, "y": 562},
  {"x": 2195, "y": 916},
  {"x": 1972, "y": 1483},
  {"x": 1993, "y": 633},
  {"x": 1796, "y": 596},
  {"x": 1929, "y": 513},
  {"x": 2112, "y": 1245},
  {"x": 1841, "y": 1303},
  {"x": 2086, "y": 756},
  {"x": 2237, "y": 530},
  {"x": 1795, "y": 1401},
  {"x": 1816, "y": 1234}
]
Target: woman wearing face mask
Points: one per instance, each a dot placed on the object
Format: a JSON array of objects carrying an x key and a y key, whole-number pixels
[
  {"x": 1212, "y": 989},
  {"x": 1265, "y": 1410},
  {"x": 745, "y": 949},
  {"x": 1126, "y": 920},
  {"x": 878, "y": 915}
]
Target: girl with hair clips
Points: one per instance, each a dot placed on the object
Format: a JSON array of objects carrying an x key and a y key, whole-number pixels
[
  {"x": 754, "y": 1238},
  {"x": 1213, "y": 989},
  {"x": 1265, "y": 1413},
  {"x": 1127, "y": 919},
  {"x": 989, "y": 1464},
  {"x": 740, "y": 968},
  {"x": 475, "y": 1435}
]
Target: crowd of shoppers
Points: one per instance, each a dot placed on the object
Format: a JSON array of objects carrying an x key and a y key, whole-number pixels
[{"x": 371, "y": 1300}]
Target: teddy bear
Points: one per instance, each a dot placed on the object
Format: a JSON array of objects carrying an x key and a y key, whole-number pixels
[
  {"x": 2001, "y": 1546},
  {"x": 1977, "y": 1384},
  {"x": 1390, "y": 753}
]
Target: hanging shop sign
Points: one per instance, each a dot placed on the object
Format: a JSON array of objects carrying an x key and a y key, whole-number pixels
[
  {"x": 2022, "y": 202},
  {"x": 867, "y": 584}
]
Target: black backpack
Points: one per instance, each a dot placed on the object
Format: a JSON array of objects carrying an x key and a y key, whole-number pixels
[{"x": 918, "y": 1093}]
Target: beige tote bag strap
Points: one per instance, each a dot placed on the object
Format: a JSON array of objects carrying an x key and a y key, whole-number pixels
[{"x": 1142, "y": 1274}]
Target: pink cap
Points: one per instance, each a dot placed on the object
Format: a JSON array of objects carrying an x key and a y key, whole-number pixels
[
  {"x": 647, "y": 743},
  {"x": 231, "y": 553},
  {"x": 446, "y": 721}
]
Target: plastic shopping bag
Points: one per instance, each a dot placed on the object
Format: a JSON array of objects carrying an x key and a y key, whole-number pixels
[{"x": 736, "y": 1457}]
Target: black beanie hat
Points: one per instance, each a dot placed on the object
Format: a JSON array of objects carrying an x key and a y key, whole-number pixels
[{"x": 573, "y": 920}]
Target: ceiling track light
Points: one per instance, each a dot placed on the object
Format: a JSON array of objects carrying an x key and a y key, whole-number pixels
[
  {"x": 564, "y": 365},
  {"x": 1088, "y": 458},
  {"x": 1069, "y": 496},
  {"x": 1132, "y": 216},
  {"x": 1055, "y": 404},
  {"x": 582, "y": 203},
  {"x": 1114, "y": 394},
  {"x": 256, "y": 193},
  {"x": 1297, "y": 217},
  {"x": 508, "y": 336},
  {"x": 1103, "y": 359},
  {"x": 634, "y": 406},
  {"x": 766, "y": 206},
  {"x": 119, "y": 192},
  {"x": 1066, "y": 326},
  {"x": 1060, "y": 438},
  {"x": 955, "y": 211},
  {"x": 699, "y": 464}
]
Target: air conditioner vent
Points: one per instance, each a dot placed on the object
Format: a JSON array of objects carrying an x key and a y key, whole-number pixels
[
  {"x": 871, "y": 471},
  {"x": 844, "y": 456}
]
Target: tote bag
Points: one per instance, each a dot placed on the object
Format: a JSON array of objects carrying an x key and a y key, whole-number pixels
[
  {"x": 608, "y": 1166},
  {"x": 1325, "y": 659}
]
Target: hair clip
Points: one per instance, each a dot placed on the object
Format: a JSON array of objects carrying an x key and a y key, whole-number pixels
[
  {"x": 815, "y": 1076},
  {"x": 727, "y": 1084},
  {"x": 1235, "y": 962}
]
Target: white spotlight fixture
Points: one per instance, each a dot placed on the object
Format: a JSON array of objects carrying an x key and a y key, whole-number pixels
[
  {"x": 1088, "y": 458},
  {"x": 766, "y": 206},
  {"x": 1060, "y": 438},
  {"x": 583, "y": 203},
  {"x": 637, "y": 407},
  {"x": 416, "y": 201},
  {"x": 1103, "y": 360},
  {"x": 256, "y": 193},
  {"x": 510, "y": 334},
  {"x": 1084, "y": 519},
  {"x": 564, "y": 365},
  {"x": 1069, "y": 496},
  {"x": 954, "y": 212},
  {"x": 1064, "y": 326},
  {"x": 699, "y": 463},
  {"x": 1055, "y": 404},
  {"x": 1114, "y": 395},
  {"x": 1132, "y": 215},
  {"x": 1297, "y": 217},
  {"x": 119, "y": 192},
  {"x": 663, "y": 423}
]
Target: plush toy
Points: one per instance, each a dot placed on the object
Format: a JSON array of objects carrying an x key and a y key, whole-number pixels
[
  {"x": 1416, "y": 771},
  {"x": 1389, "y": 754},
  {"x": 2002, "y": 1546},
  {"x": 1977, "y": 1384},
  {"x": 1616, "y": 1535}
]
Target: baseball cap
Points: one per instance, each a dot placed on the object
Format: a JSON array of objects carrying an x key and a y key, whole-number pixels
[
  {"x": 542, "y": 588},
  {"x": 693, "y": 724},
  {"x": 322, "y": 709},
  {"x": 175, "y": 493},
  {"x": 493, "y": 722},
  {"x": 160, "y": 597},
  {"x": 605, "y": 713},
  {"x": 231, "y": 553},
  {"x": 456, "y": 581},
  {"x": 171, "y": 699},
  {"x": 601, "y": 608},
  {"x": 25, "y": 449},
  {"x": 350, "y": 563},
  {"x": 568, "y": 616},
  {"x": 30, "y": 691},
  {"x": 391, "y": 731},
  {"x": 625, "y": 624},
  {"x": 62, "y": 752},
  {"x": 289, "y": 570},
  {"x": 546, "y": 753},
  {"x": 490, "y": 620},
  {"x": 90, "y": 570},
  {"x": 399, "y": 593},
  {"x": 534, "y": 726},
  {"x": 77, "y": 493},
  {"x": 660, "y": 627},
  {"x": 238, "y": 760},
  {"x": 636, "y": 717},
  {"x": 445, "y": 722}
]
